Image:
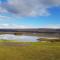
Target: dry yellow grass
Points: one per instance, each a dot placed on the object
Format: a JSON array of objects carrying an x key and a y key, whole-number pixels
[{"x": 37, "y": 51}]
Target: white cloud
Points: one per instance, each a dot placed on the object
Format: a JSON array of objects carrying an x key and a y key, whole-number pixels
[
  {"x": 56, "y": 26},
  {"x": 5, "y": 19},
  {"x": 2, "y": 10},
  {"x": 14, "y": 26},
  {"x": 56, "y": 2},
  {"x": 30, "y": 7}
]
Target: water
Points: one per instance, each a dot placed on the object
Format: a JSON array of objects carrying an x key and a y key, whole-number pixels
[
  {"x": 19, "y": 38},
  {"x": 23, "y": 38}
]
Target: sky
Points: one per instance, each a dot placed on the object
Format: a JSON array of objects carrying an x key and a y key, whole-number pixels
[{"x": 29, "y": 13}]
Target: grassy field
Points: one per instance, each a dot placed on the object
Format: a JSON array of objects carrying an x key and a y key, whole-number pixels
[{"x": 32, "y": 51}]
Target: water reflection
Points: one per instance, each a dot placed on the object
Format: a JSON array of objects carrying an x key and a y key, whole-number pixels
[{"x": 20, "y": 38}]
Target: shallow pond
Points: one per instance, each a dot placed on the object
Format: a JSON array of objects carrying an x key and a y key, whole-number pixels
[
  {"x": 19, "y": 38},
  {"x": 23, "y": 38}
]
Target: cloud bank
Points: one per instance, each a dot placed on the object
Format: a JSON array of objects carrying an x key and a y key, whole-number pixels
[
  {"x": 15, "y": 26},
  {"x": 28, "y": 7}
]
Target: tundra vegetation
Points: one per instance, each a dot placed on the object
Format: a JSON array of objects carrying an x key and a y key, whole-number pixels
[
  {"x": 12, "y": 50},
  {"x": 49, "y": 39},
  {"x": 30, "y": 51}
]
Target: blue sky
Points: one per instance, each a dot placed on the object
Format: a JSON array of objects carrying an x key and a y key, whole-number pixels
[{"x": 49, "y": 18}]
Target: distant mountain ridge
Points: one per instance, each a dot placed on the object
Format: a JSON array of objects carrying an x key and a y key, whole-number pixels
[{"x": 31, "y": 30}]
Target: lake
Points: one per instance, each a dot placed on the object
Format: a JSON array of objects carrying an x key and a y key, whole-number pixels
[
  {"x": 19, "y": 38},
  {"x": 23, "y": 38}
]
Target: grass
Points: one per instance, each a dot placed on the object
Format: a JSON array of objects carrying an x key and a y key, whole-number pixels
[
  {"x": 37, "y": 51},
  {"x": 49, "y": 39},
  {"x": 7, "y": 40}
]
